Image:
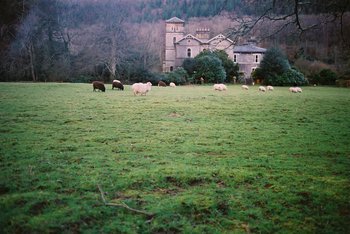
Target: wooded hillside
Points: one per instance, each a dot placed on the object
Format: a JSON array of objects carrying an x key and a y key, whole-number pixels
[{"x": 72, "y": 40}]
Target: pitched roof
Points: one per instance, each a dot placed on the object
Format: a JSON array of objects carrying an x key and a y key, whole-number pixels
[
  {"x": 204, "y": 41},
  {"x": 222, "y": 37},
  {"x": 248, "y": 48},
  {"x": 189, "y": 36},
  {"x": 175, "y": 20}
]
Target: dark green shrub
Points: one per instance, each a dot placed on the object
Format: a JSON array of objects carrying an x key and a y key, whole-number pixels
[
  {"x": 324, "y": 77},
  {"x": 289, "y": 78},
  {"x": 230, "y": 68},
  {"x": 276, "y": 70},
  {"x": 211, "y": 69},
  {"x": 292, "y": 77},
  {"x": 179, "y": 76},
  {"x": 189, "y": 64},
  {"x": 274, "y": 63},
  {"x": 327, "y": 77}
]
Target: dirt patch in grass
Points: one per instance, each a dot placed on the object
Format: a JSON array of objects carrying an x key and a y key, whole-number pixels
[
  {"x": 38, "y": 207},
  {"x": 174, "y": 115},
  {"x": 181, "y": 182},
  {"x": 306, "y": 198}
]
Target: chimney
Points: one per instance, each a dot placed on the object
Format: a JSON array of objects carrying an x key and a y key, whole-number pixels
[
  {"x": 203, "y": 33},
  {"x": 252, "y": 41}
]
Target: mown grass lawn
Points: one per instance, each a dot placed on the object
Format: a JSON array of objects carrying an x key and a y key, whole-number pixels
[{"x": 199, "y": 160}]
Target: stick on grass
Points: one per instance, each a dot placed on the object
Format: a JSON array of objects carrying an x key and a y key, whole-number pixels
[{"x": 122, "y": 204}]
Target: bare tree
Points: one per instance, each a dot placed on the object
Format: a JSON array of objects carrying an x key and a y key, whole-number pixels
[
  {"x": 112, "y": 41},
  {"x": 285, "y": 13},
  {"x": 22, "y": 54},
  {"x": 41, "y": 49}
]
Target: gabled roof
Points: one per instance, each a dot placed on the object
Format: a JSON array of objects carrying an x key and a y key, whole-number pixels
[
  {"x": 175, "y": 20},
  {"x": 189, "y": 36},
  {"x": 204, "y": 41},
  {"x": 220, "y": 36},
  {"x": 248, "y": 48}
]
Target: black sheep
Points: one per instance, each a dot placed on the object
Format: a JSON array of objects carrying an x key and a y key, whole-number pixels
[
  {"x": 117, "y": 85},
  {"x": 98, "y": 85},
  {"x": 161, "y": 84}
]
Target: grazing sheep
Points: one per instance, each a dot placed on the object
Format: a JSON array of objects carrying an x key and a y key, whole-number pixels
[
  {"x": 140, "y": 88},
  {"x": 220, "y": 87},
  {"x": 117, "y": 85},
  {"x": 245, "y": 87},
  {"x": 116, "y": 81},
  {"x": 172, "y": 84},
  {"x": 295, "y": 90},
  {"x": 262, "y": 89},
  {"x": 161, "y": 84},
  {"x": 269, "y": 88},
  {"x": 98, "y": 85}
]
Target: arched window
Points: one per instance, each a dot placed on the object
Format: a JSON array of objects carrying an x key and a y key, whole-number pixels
[
  {"x": 189, "y": 52},
  {"x": 256, "y": 58},
  {"x": 171, "y": 68},
  {"x": 235, "y": 58}
]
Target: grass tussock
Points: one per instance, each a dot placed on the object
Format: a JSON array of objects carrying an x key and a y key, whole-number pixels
[{"x": 198, "y": 160}]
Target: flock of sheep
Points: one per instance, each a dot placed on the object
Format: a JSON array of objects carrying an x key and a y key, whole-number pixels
[
  {"x": 222, "y": 87},
  {"x": 144, "y": 88}
]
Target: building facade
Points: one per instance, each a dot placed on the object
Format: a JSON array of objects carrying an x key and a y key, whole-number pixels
[
  {"x": 248, "y": 56},
  {"x": 179, "y": 46}
]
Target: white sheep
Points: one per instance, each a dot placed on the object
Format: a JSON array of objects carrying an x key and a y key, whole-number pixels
[
  {"x": 220, "y": 87},
  {"x": 118, "y": 81},
  {"x": 245, "y": 87},
  {"x": 269, "y": 88},
  {"x": 172, "y": 84},
  {"x": 140, "y": 88},
  {"x": 262, "y": 89},
  {"x": 295, "y": 90}
]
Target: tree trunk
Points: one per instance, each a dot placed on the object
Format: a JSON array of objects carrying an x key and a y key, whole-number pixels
[
  {"x": 31, "y": 61},
  {"x": 113, "y": 58}
]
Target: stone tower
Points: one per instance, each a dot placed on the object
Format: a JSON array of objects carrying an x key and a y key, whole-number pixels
[{"x": 174, "y": 31}]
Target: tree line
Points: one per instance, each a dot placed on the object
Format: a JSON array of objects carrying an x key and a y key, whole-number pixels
[{"x": 78, "y": 41}]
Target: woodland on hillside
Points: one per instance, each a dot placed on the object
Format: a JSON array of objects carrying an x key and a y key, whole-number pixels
[{"x": 78, "y": 41}]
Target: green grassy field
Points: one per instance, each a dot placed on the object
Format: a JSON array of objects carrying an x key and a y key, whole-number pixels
[{"x": 197, "y": 160}]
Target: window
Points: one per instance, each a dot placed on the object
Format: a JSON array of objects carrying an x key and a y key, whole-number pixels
[
  {"x": 235, "y": 58},
  {"x": 174, "y": 40},
  {"x": 256, "y": 58},
  {"x": 171, "y": 68},
  {"x": 189, "y": 52}
]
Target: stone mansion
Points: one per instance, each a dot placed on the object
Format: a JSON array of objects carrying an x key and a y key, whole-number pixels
[{"x": 179, "y": 46}]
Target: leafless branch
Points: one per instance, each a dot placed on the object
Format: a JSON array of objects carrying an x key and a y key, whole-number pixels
[{"x": 123, "y": 205}]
